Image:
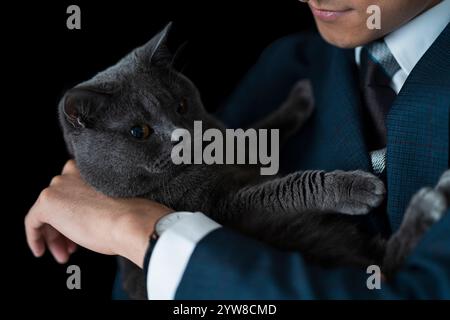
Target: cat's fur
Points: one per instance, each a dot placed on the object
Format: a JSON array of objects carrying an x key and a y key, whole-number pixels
[{"x": 307, "y": 211}]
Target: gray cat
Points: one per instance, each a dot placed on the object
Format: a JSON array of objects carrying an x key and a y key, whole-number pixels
[{"x": 118, "y": 128}]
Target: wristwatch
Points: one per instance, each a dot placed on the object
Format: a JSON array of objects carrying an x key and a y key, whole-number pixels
[{"x": 167, "y": 221}]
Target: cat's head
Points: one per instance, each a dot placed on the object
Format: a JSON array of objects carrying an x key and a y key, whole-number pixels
[{"x": 118, "y": 124}]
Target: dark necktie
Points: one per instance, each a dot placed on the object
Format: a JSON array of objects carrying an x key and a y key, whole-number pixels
[{"x": 377, "y": 68}]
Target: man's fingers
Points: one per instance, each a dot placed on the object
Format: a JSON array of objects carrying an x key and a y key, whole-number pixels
[
  {"x": 57, "y": 244},
  {"x": 33, "y": 232},
  {"x": 36, "y": 242},
  {"x": 71, "y": 246},
  {"x": 41, "y": 235},
  {"x": 58, "y": 250},
  {"x": 70, "y": 168}
]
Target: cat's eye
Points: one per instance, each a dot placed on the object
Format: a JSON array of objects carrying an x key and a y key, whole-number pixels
[
  {"x": 182, "y": 106},
  {"x": 141, "y": 131}
]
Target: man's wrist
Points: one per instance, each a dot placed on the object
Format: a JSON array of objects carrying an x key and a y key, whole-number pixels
[{"x": 134, "y": 229}]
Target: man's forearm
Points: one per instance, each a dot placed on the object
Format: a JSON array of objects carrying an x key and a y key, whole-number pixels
[{"x": 70, "y": 212}]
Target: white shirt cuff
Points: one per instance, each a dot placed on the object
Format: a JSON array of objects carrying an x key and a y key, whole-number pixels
[{"x": 172, "y": 252}]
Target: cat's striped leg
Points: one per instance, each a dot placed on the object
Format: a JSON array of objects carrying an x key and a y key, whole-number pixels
[{"x": 355, "y": 192}]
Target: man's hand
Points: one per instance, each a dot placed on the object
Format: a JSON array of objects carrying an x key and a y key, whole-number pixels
[{"x": 69, "y": 212}]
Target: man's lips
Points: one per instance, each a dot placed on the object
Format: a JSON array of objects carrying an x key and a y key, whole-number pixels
[{"x": 328, "y": 14}]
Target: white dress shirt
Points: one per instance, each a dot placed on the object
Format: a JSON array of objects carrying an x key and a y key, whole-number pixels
[
  {"x": 410, "y": 42},
  {"x": 175, "y": 246}
]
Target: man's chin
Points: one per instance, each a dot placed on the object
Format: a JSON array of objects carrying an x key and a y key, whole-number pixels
[
  {"x": 346, "y": 42},
  {"x": 347, "y": 39}
]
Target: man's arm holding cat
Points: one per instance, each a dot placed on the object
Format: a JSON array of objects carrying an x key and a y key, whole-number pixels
[
  {"x": 69, "y": 212},
  {"x": 69, "y": 209}
]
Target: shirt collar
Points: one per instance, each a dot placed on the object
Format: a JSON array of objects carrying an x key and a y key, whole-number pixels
[{"x": 410, "y": 42}]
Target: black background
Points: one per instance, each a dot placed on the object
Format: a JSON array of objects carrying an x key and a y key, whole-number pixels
[{"x": 45, "y": 58}]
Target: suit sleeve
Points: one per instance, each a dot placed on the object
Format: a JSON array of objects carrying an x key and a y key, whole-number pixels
[
  {"x": 166, "y": 259},
  {"x": 227, "y": 265}
]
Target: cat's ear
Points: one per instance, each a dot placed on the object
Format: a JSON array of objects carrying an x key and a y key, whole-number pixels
[
  {"x": 79, "y": 105},
  {"x": 156, "y": 52}
]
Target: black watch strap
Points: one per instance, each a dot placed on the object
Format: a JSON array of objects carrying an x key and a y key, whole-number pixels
[{"x": 148, "y": 255}]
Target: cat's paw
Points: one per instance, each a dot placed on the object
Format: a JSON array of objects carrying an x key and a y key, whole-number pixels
[
  {"x": 443, "y": 186},
  {"x": 429, "y": 205},
  {"x": 300, "y": 102},
  {"x": 425, "y": 208},
  {"x": 356, "y": 192}
]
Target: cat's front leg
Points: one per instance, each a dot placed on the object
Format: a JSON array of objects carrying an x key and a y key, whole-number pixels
[
  {"x": 293, "y": 113},
  {"x": 426, "y": 208},
  {"x": 354, "y": 192},
  {"x": 351, "y": 192}
]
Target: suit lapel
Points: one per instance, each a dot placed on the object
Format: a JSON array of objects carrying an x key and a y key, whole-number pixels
[{"x": 418, "y": 129}]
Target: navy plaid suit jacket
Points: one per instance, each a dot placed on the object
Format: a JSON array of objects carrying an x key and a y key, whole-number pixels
[{"x": 228, "y": 265}]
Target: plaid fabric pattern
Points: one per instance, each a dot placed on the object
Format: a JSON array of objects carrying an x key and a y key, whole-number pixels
[
  {"x": 378, "y": 159},
  {"x": 418, "y": 129}
]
